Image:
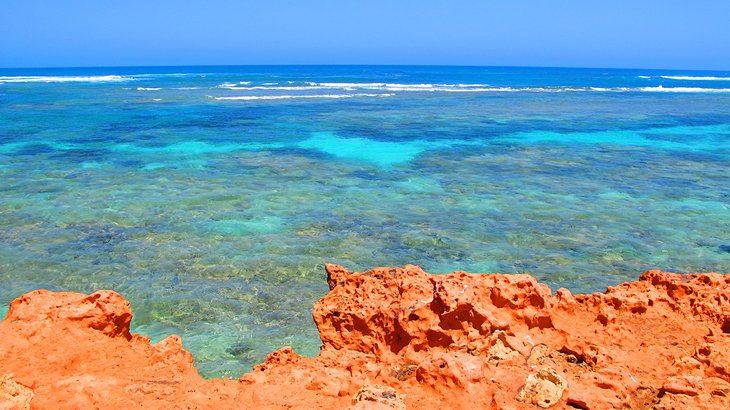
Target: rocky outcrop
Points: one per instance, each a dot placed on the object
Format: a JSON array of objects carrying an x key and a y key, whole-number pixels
[{"x": 395, "y": 338}]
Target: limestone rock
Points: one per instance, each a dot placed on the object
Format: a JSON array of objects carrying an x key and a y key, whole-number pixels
[
  {"x": 456, "y": 341},
  {"x": 544, "y": 388},
  {"x": 14, "y": 396},
  {"x": 377, "y": 396}
]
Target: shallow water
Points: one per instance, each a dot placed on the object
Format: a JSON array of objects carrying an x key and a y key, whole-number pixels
[{"x": 214, "y": 216}]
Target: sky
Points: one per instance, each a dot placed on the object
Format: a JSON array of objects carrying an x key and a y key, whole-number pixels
[{"x": 556, "y": 33}]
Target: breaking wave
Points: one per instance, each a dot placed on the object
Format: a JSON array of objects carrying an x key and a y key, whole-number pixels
[
  {"x": 684, "y": 89},
  {"x": 448, "y": 88},
  {"x": 691, "y": 78},
  {"x": 288, "y": 97},
  {"x": 62, "y": 79}
]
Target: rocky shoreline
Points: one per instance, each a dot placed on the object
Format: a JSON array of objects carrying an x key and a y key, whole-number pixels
[{"x": 399, "y": 338}]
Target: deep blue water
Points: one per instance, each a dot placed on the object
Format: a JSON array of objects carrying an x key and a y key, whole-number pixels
[{"x": 211, "y": 197}]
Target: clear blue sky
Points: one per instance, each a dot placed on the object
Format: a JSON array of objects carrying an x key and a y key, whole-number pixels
[{"x": 581, "y": 33}]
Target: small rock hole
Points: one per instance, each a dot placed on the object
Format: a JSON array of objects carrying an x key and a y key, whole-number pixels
[
  {"x": 638, "y": 309},
  {"x": 603, "y": 319},
  {"x": 576, "y": 405},
  {"x": 726, "y": 325}
]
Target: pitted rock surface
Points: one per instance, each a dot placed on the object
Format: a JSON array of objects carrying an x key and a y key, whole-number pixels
[{"x": 401, "y": 338}]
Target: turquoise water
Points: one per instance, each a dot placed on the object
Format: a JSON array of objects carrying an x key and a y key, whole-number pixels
[{"x": 211, "y": 197}]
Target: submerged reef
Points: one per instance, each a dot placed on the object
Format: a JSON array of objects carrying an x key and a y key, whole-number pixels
[{"x": 399, "y": 338}]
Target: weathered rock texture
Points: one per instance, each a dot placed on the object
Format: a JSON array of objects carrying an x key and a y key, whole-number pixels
[{"x": 396, "y": 338}]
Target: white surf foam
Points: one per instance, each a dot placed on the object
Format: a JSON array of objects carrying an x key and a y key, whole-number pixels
[
  {"x": 692, "y": 78},
  {"x": 61, "y": 79},
  {"x": 407, "y": 87},
  {"x": 479, "y": 90},
  {"x": 362, "y": 86},
  {"x": 265, "y": 87},
  {"x": 148, "y": 89},
  {"x": 450, "y": 88},
  {"x": 684, "y": 89},
  {"x": 288, "y": 97},
  {"x": 163, "y": 75},
  {"x": 594, "y": 89}
]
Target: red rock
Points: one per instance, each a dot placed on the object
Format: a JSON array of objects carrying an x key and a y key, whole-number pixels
[{"x": 395, "y": 337}]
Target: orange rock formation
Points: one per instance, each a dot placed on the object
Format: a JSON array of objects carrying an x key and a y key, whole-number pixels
[{"x": 399, "y": 338}]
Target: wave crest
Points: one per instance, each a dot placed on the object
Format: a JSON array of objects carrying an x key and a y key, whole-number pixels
[
  {"x": 288, "y": 97},
  {"x": 692, "y": 78},
  {"x": 62, "y": 79},
  {"x": 451, "y": 88}
]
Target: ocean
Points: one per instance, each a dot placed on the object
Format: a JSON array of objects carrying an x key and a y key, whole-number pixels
[{"x": 211, "y": 197}]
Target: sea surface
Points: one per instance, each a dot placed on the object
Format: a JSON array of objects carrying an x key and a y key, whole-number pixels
[{"x": 211, "y": 197}]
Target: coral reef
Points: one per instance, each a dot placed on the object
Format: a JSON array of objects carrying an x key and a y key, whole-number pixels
[{"x": 396, "y": 338}]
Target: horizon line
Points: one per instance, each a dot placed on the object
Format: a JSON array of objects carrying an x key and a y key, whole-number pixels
[{"x": 355, "y": 65}]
